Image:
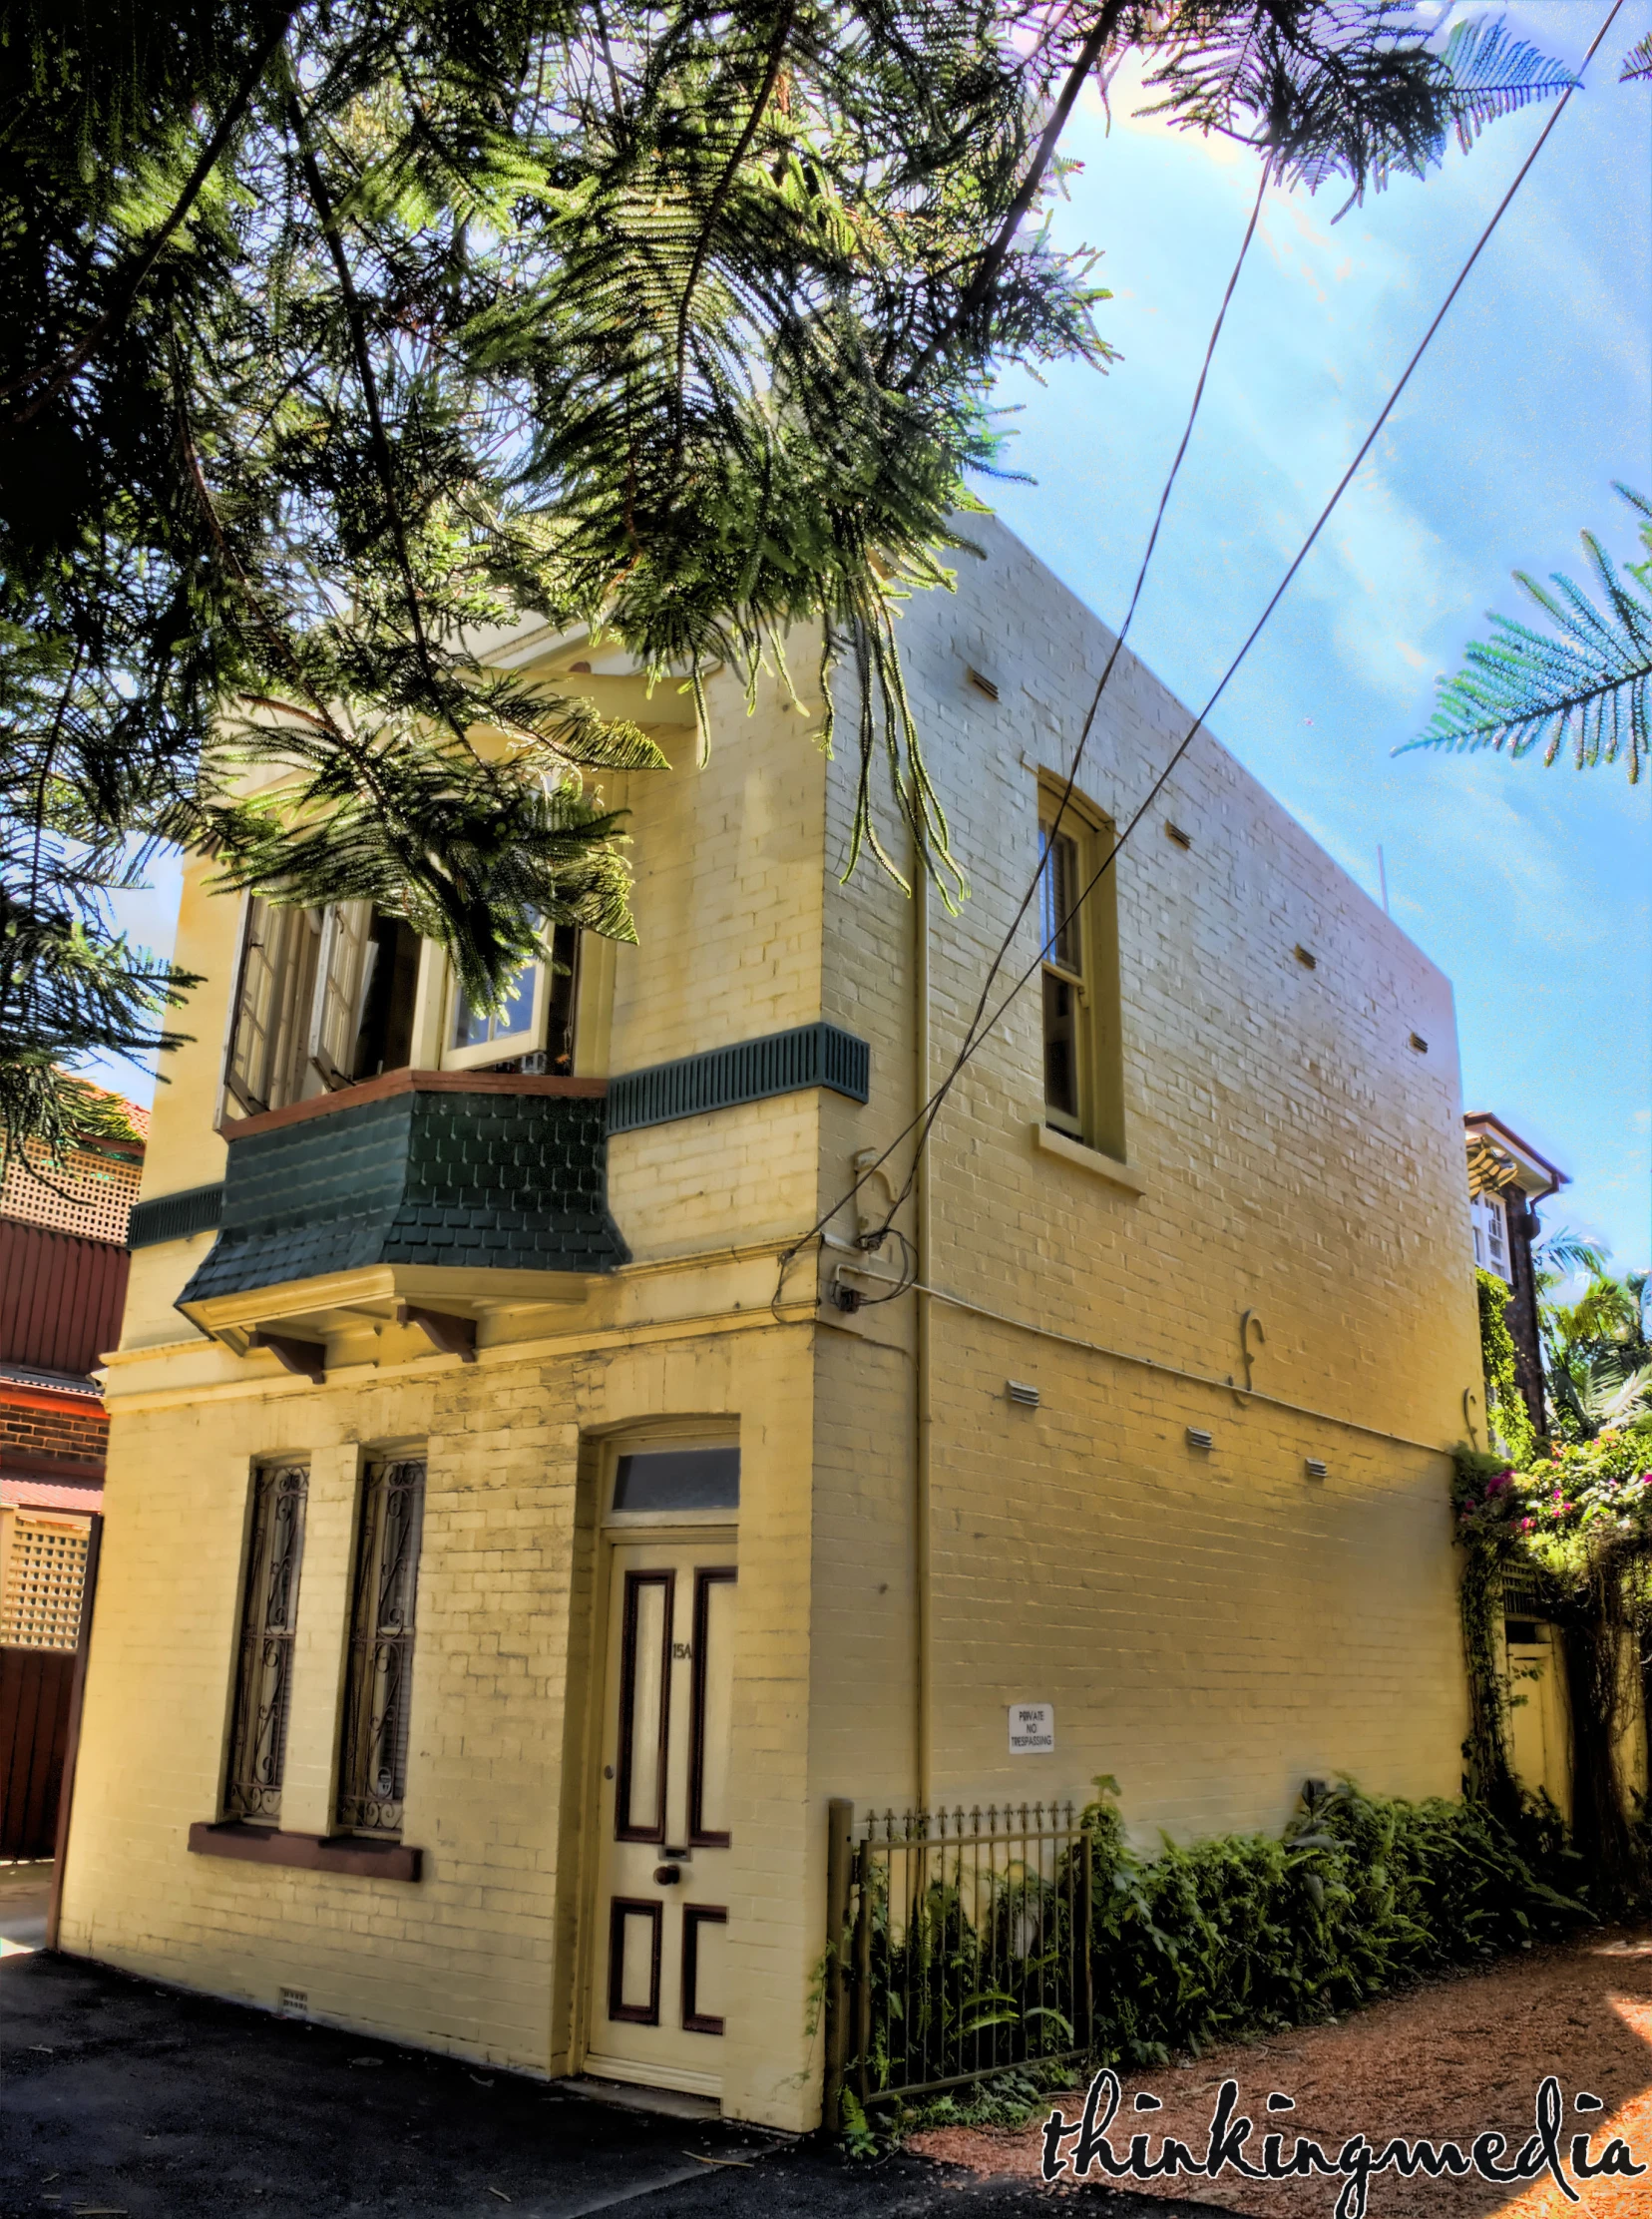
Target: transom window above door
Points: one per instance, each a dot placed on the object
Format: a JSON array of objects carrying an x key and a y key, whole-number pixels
[{"x": 693, "y": 1482}]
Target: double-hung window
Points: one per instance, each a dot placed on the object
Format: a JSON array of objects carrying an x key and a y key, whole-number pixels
[
  {"x": 1060, "y": 929},
  {"x": 378, "y": 1684},
  {"x": 1078, "y": 948},
  {"x": 269, "y": 1623},
  {"x": 1490, "y": 1217}
]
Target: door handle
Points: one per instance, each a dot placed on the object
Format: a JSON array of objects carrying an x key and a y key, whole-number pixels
[{"x": 667, "y": 1875}]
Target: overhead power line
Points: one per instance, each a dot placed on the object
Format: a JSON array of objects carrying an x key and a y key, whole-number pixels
[{"x": 981, "y": 1025}]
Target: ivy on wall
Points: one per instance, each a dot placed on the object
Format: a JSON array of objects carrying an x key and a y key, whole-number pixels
[
  {"x": 1506, "y": 1415},
  {"x": 1575, "y": 1524}
]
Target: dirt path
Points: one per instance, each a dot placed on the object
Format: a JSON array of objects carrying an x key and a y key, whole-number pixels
[{"x": 1448, "y": 2061}]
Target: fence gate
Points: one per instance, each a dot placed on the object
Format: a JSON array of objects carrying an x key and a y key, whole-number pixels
[
  {"x": 958, "y": 1947},
  {"x": 35, "y": 1690}
]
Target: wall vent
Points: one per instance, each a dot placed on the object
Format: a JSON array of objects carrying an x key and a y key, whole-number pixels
[
  {"x": 1199, "y": 1438},
  {"x": 1306, "y": 957},
  {"x": 1176, "y": 833},
  {"x": 1420, "y": 1043},
  {"x": 751, "y": 1071},
  {"x": 983, "y": 684},
  {"x": 1019, "y": 1391},
  {"x": 1314, "y": 1468},
  {"x": 294, "y": 2003},
  {"x": 198, "y": 1210}
]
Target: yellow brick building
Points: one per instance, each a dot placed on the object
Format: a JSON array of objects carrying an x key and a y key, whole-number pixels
[{"x": 504, "y": 1565}]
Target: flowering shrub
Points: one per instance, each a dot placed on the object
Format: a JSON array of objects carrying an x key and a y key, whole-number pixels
[
  {"x": 1577, "y": 1517},
  {"x": 1564, "y": 1506}
]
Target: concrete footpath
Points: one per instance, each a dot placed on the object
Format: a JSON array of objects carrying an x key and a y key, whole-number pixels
[{"x": 124, "y": 2098}]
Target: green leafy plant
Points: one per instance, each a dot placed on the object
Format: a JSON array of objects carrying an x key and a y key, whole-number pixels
[
  {"x": 1597, "y": 1359},
  {"x": 1585, "y": 685},
  {"x": 1203, "y": 1942},
  {"x": 1505, "y": 1408},
  {"x": 1198, "y": 1942},
  {"x": 1576, "y": 1525}
]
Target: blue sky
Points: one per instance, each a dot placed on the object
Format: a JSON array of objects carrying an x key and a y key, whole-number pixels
[{"x": 1528, "y": 886}]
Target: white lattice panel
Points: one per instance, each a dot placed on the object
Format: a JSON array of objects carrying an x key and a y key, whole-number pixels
[
  {"x": 45, "y": 1572},
  {"x": 89, "y": 1194}
]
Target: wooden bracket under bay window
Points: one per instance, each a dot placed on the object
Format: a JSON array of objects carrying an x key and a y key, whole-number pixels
[
  {"x": 454, "y": 1336},
  {"x": 307, "y": 1358}
]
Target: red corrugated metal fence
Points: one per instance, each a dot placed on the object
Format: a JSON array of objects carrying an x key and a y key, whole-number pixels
[{"x": 61, "y": 1297}]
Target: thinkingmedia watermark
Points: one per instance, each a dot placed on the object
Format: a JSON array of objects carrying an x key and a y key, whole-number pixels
[{"x": 1356, "y": 2164}]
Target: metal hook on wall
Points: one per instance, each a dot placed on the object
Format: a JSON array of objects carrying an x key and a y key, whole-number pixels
[
  {"x": 1249, "y": 1321},
  {"x": 1469, "y": 1401}
]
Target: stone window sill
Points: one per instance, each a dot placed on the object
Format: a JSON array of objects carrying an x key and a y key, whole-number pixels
[
  {"x": 329, "y": 1852},
  {"x": 1049, "y": 1141}
]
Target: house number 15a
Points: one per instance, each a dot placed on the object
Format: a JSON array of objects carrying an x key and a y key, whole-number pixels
[{"x": 682, "y": 1649}]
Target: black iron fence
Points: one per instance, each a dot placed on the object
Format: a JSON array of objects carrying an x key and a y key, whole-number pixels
[{"x": 958, "y": 1947}]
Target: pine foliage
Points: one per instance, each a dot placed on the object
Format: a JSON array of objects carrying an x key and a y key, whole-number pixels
[
  {"x": 341, "y": 339},
  {"x": 1343, "y": 90},
  {"x": 1585, "y": 687}
]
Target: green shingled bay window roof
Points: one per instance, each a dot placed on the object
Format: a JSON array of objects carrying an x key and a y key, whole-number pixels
[{"x": 426, "y": 1171}]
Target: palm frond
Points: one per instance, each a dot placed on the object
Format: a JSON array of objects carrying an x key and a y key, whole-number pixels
[
  {"x": 1637, "y": 63},
  {"x": 1563, "y": 1253},
  {"x": 1493, "y": 74},
  {"x": 1586, "y": 685}
]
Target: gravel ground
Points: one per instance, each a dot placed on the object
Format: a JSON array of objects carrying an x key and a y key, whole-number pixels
[{"x": 1449, "y": 2060}]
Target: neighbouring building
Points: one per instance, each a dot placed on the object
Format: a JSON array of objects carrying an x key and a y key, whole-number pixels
[
  {"x": 63, "y": 1276},
  {"x": 1507, "y": 1179},
  {"x": 513, "y": 1541}
]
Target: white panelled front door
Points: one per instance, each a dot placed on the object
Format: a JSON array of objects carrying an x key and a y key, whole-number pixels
[{"x": 657, "y": 2004}]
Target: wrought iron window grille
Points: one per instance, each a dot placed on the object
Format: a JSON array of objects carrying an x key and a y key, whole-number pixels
[
  {"x": 269, "y": 1623},
  {"x": 378, "y": 1684}
]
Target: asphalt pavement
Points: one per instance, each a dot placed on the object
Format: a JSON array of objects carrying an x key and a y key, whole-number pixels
[{"x": 124, "y": 2098}]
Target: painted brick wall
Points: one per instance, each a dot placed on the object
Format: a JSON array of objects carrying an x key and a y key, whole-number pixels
[
  {"x": 1211, "y": 1629},
  {"x": 468, "y": 1959}
]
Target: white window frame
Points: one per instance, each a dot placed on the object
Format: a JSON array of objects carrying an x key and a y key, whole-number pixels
[
  {"x": 339, "y": 996},
  {"x": 527, "y": 1042},
  {"x": 1070, "y": 973},
  {"x": 1489, "y": 1214},
  {"x": 301, "y": 1020},
  {"x": 645, "y": 1443}
]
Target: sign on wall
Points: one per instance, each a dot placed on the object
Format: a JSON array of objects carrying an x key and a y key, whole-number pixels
[{"x": 1031, "y": 1729}]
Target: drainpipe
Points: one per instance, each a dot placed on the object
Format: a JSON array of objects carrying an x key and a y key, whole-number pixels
[{"x": 924, "y": 1660}]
